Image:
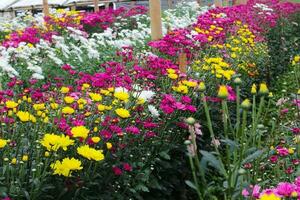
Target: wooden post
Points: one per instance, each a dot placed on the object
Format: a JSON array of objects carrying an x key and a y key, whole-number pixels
[
  {"x": 239, "y": 2},
  {"x": 155, "y": 15},
  {"x": 96, "y": 5},
  {"x": 182, "y": 62},
  {"x": 199, "y": 2},
  {"x": 73, "y": 8},
  {"x": 132, "y": 4},
  {"x": 170, "y": 4},
  {"x": 218, "y": 3},
  {"x": 46, "y": 8}
]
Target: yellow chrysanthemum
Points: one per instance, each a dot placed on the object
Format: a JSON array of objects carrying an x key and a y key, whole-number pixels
[
  {"x": 90, "y": 153},
  {"x": 80, "y": 131},
  {"x": 271, "y": 196},
  {"x": 123, "y": 96},
  {"x": 69, "y": 99},
  {"x": 95, "y": 97},
  {"x": 3, "y": 143},
  {"x": 64, "y": 90},
  {"x": 39, "y": 106},
  {"x": 26, "y": 116},
  {"x": 53, "y": 142},
  {"x": 68, "y": 110},
  {"x": 123, "y": 113},
  {"x": 66, "y": 167},
  {"x": 11, "y": 104}
]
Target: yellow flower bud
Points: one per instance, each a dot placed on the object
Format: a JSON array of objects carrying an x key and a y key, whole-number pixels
[
  {"x": 223, "y": 92},
  {"x": 263, "y": 89}
]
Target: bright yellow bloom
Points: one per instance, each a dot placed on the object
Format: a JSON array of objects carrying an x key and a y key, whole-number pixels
[
  {"x": 108, "y": 145},
  {"x": 101, "y": 107},
  {"x": 96, "y": 139},
  {"x": 66, "y": 167},
  {"x": 263, "y": 89},
  {"x": 68, "y": 110},
  {"x": 80, "y": 131},
  {"x": 123, "y": 113},
  {"x": 171, "y": 71},
  {"x": 173, "y": 76},
  {"x": 69, "y": 99},
  {"x": 26, "y": 116},
  {"x": 81, "y": 101},
  {"x": 11, "y": 104},
  {"x": 53, "y": 142},
  {"x": 39, "y": 106},
  {"x": 291, "y": 151},
  {"x": 25, "y": 158},
  {"x": 90, "y": 153},
  {"x": 3, "y": 143},
  {"x": 223, "y": 92},
  {"x": 298, "y": 92},
  {"x": 13, "y": 161},
  {"x": 181, "y": 89},
  {"x": 95, "y": 97},
  {"x": 123, "y": 96},
  {"x": 54, "y": 106},
  {"x": 64, "y": 90},
  {"x": 85, "y": 86},
  {"x": 271, "y": 196},
  {"x": 190, "y": 83}
]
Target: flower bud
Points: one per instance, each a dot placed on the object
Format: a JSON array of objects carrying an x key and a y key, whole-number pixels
[
  {"x": 187, "y": 142},
  {"x": 237, "y": 81},
  {"x": 263, "y": 89},
  {"x": 223, "y": 92},
  {"x": 246, "y": 104},
  {"x": 190, "y": 121},
  {"x": 253, "y": 89},
  {"x": 201, "y": 87}
]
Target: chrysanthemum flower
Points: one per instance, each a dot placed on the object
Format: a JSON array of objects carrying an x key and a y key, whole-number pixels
[
  {"x": 90, "y": 153},
  {"x": 123, "y": 113},
  {"x": 66, "y": 167},
  {"x": 80, "y": 131}
]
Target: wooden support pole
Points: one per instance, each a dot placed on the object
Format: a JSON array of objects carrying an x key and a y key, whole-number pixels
[
  {"x": 239, "y": 2},
  {"x": 132, "y": 4},
  {"x": 96, "y": 5},
  {"x": 199, "y": 2},
  {"x": 155, "y": 15},
  {"x": 170, "y": 4},
  {"x": 218, "y": 3},
  {"x": 182, "y": 62},
  {"x": 46, "y": 8}
]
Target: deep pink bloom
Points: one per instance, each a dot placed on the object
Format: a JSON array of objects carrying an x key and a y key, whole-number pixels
[
  {"x": 127, "y": 167},
  {"x": 117, "y": 171},
  {"x": 285, "y": 189}
]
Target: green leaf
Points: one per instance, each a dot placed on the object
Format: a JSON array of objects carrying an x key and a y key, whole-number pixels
[
  {"x": 165, "y": 155},
  {"x": 191, "y": 185},
  {"x": 214, "y": 162},
  {"x": 253, "y": 156}
]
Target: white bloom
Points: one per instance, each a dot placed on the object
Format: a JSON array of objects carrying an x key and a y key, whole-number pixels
[
  {"x": 37, "y": 76},
  {"x": 145, "y": 95},
  {"x": 121, "y": 89},
  {"x": 154, "y": 112}
]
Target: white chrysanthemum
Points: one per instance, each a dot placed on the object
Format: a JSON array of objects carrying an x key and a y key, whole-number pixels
[
  {"x": 154, "y": 112},
  {"x": 121, "y": 89},
  {"x": 145, "y": 95}
]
